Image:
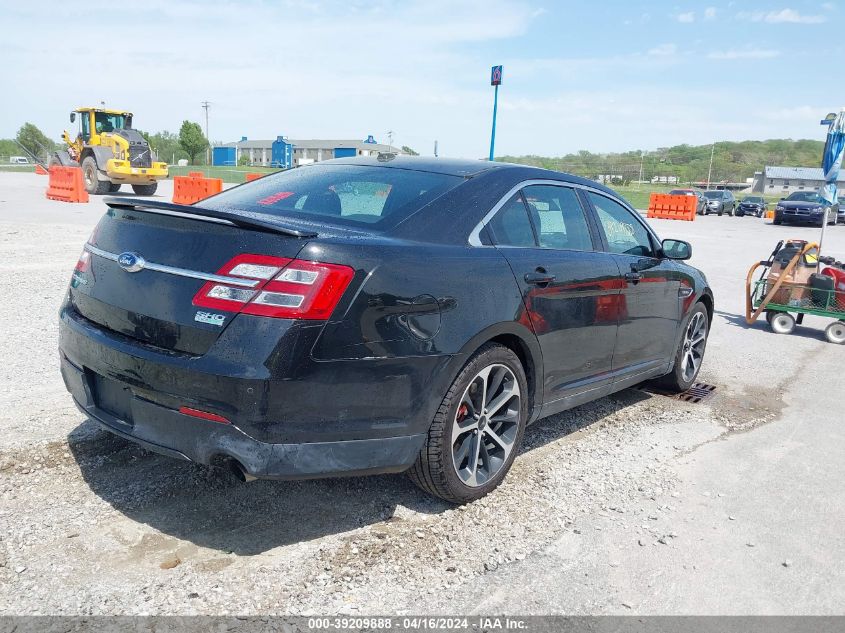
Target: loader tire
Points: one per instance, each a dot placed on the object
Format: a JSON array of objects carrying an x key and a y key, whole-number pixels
[
  {"x": 145, "y": 190},
  {"x": 93, "y": 184}
]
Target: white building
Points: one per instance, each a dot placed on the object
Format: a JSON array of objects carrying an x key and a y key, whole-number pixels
[
  {"x": 305, "y": 151},
  {"x": 781, "y": 181}
]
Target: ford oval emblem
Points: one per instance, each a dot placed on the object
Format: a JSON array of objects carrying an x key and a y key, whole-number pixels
[{"x": 130, "y": 262}]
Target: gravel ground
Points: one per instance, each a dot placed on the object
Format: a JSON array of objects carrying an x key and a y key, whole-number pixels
[{"x": 607, "y": 502}]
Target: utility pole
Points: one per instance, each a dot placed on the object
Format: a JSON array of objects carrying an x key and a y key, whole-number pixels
[
  {"x": 390, "y": 139},
  {"x": 710, "y": 169},
  {"x": 640, "y": 181},
  {"x": 205, "y": 106}
]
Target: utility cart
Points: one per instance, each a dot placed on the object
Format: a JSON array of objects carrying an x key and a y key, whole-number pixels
[{"x": 792, "y": 282}]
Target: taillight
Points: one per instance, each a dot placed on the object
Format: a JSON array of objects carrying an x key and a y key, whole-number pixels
[
  {"x": 84, "y": 262},
  {"x": 284, "y": 288}
]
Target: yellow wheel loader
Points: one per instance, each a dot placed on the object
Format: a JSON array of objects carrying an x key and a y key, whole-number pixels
[{"x": 110, "y": 153}]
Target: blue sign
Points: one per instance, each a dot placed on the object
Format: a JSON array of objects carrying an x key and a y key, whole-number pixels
[
  {"x": 370, "y": 139},
  {"x": 496, "y": 76}
]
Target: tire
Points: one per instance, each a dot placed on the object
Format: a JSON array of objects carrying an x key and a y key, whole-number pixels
[
  {"x": 835, "y": 332},
  {"x": 782, "y": 323},
  {"x": 145, "y": 190},
  {"x": 680, "y": 378},
  {"x": 719, "y": 213},
  {"x": 93, "y": 184},
  {"x": 114, "y": 186},
  {"x": 436, "y": 470},
  {"x": 777, "y": 220}
]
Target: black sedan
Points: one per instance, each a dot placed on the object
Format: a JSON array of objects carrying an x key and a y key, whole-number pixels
[
  {"x": 372, "y": 316},
  {"x": 751, "y": 205},
  {"x": 805, "y": 207}
]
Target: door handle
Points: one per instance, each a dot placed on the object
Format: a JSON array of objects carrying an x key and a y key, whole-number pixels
[
  {"x": 633, "y": 277},
  {"x": 539, "y": 277}
]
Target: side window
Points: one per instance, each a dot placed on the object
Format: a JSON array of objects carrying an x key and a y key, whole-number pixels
[
  {"x": 625, "y": 234},
  {"x": 510, "y": 226},
  {"x": 558, "y": 217}
]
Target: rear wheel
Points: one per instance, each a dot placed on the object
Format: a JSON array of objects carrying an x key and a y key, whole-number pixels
[
  {"x": 835, "y": 332},
  {"x": 477, "y": 430},
  {"x": 145, "y": 190},
  {"x": 782, "y": 323},
  {"x": 690, "y": 352},
  {"x": 93, "y": 184}
]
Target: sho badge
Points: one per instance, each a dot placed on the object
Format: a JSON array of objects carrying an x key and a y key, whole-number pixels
[{"x": 208, "y": 317}]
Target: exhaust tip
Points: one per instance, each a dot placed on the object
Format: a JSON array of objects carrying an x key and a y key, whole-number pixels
[{"x": 239, "y": 471}]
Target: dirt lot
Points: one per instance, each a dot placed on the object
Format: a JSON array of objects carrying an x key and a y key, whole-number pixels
[{"x": 632, "y": 504}]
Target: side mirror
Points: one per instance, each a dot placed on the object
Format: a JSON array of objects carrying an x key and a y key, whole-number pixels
[
  {"x": 677, "y": 249},
  {"x": 72, "y": 117}
]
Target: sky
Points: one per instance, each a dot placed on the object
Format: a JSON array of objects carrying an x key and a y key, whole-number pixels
[{"x": 601, "y": 76}]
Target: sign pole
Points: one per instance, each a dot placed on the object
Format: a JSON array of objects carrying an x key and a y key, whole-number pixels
[
  {"x": 495, "y": 81},
  {"x": 495, "y": 107}
]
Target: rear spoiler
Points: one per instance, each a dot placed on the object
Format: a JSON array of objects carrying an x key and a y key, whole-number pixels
[{"x": 238, "y": 219}]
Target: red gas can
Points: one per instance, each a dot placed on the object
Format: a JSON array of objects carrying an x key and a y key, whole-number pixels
[{"x": 838, "y": 275}]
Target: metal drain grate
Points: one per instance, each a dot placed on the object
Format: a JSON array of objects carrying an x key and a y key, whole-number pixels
[{"x": 699, "y": 392}]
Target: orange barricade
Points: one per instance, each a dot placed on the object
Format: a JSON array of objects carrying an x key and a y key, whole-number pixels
[
  {"x": 664, "y": 206},
  {"x": 251, "y": 177},
  {"x": 39, "y": 169},
  {"x": 194, "y": 187},
  {"x": 66, "y": 184}
]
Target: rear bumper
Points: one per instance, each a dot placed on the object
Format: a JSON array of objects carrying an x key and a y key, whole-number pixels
[
  {"x": 169, "y": 432},
  {"x": 290, "y": 416}
]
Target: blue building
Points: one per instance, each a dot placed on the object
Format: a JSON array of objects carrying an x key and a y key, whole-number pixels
[{"x": 281, "y": 153}]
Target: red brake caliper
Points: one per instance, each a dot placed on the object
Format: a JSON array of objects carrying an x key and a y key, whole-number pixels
[{"x": 463, "y": 411}]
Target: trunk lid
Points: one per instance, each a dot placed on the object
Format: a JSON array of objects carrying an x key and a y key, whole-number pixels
[{"x": 167, "y": 257}]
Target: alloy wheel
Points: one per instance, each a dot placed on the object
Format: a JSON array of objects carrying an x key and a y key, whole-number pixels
[
  {"x": 695, "y": 339},
  {"x": 486, "y": 425}
]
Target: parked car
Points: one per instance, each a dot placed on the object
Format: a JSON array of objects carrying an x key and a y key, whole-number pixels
[
  {"x": 805, "y": 207},
  {"x": 720, "y": 201},
  {"x": 701, "y": 207},
  {"x": 369, "y": 315},
  {"x": 751, "y": 205}
]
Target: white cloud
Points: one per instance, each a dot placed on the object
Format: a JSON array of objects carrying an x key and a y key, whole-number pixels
[
  {"x": 710, "y": 13},
  {"x": 748, "y": 53},
  {"x": 663, "y": 50},
  {"x": 686, "y": 17},
  {"x": 784, "y": 16},
  {"x": 828, "y": 6}
]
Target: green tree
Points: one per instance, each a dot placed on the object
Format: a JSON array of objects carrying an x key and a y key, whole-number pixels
[
  {"x": 35, "y": 141},
  {"x": 409, "y": 151},
  {"x": 191, "y": 139}
]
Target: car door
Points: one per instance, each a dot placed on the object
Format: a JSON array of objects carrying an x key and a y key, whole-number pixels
[
  {"x": 648, "y": 328},
  {"x": 571, "y": 290}
]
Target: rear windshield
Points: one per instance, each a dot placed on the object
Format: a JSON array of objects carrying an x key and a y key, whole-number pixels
[
  {"x": 339, "y": 194},
  {"x": 713, "y": 194}
]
